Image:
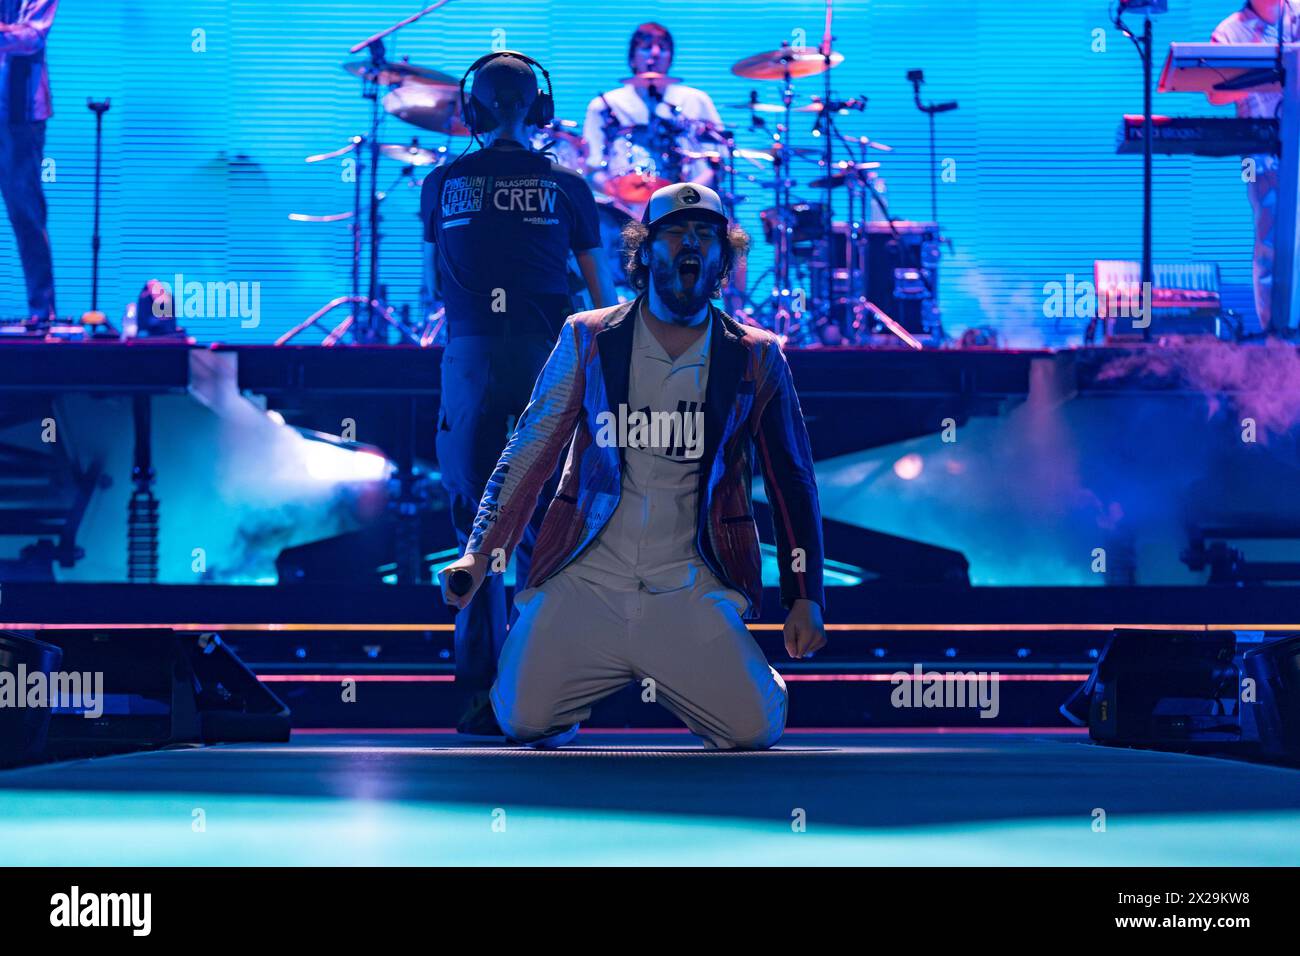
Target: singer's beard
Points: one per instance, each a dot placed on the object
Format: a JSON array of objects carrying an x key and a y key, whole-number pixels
[{"x": 685, "y": 296}]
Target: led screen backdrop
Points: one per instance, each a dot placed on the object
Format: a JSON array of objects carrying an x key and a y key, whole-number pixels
[{"x": 216, "y": 103}]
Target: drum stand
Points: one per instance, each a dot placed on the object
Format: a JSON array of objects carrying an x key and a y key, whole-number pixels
[
  {"x": 860, "y": 329},
  {"x": 99, "y": 108},
  {"x": 783, "y": 308},
  {"x": 786, "y": 321},
  {"x": 370, "y": 316},
  {"x": 826, "y": 125},
  {"x": 858, "y": 182},
  {"x": 376, "y": 309}
]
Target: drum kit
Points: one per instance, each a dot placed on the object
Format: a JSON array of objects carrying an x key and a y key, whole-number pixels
[{"x": 831, "y": 282}]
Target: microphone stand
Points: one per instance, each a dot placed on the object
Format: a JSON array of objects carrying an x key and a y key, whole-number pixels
[
  {"x": 364, "y": 44},
  {"x": 368, "y": 329},
  {"x": 655, "y": 127},
  {"x": 917, "y": 77},
  {"x": 1148, "y": 265},
  {"x": 828, "y": 133},
  {"x": 99, "y": 109},
  {"x": 782, "y": 316},
  {"x": 1144, "y": 45}
]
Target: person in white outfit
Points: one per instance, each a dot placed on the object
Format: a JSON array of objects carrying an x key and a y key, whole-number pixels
[
  {"x": 1257, "y": 22},
  {"x": 662, "y": 121},
  {"x": 648, "y": 561}
]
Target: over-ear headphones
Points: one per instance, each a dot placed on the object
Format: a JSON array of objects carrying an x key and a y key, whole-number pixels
[{"x": 480, "y": 119}]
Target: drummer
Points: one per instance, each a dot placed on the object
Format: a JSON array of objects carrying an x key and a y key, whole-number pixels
[{"x": 684, "y": 115}]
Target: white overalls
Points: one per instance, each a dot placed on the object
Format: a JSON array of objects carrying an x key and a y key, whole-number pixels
[{"x": 640, "y": 604}]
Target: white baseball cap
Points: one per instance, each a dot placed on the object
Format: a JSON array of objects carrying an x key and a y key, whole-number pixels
[{"x": 684, "y": 201}]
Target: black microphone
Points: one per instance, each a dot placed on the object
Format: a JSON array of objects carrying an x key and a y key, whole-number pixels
[
  {"x": 916, "y": 78},
  {"x": 459, "y": 582}
]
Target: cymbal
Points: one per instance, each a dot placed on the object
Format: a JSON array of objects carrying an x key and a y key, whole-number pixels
[
  {"x": 413, "y": 154},
  {"x": 848, "y": 177},
  {"x": 799, "y": 61},
  {"x": 816, "y": 154},
  {"x": 646, "y": 80},
  {"x": 757, "y": 107},
  {"x": 842, "y": 107},
  {"x": 777, "y": 108},
  {"x": 870, "y": 143},
  {"x": 353, "y": 143},
  {"x": 754, "y": 156},
  {"x": 431, "y": 106},
  {"x": 335, "y": 217},
  {"x": 392, "y": 74},
  {"x": 809, "y": 154}
]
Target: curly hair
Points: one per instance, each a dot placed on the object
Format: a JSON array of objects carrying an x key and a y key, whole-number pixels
[{"x": 735, "y": 247}]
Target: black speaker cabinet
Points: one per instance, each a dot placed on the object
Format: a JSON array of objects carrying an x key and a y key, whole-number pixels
[
  {"x": 1275, "y": 668},
  {"x": 161, "y": 688},
  {"x": 23, "y": 729},
  {"x": 1166, "y": 689}
]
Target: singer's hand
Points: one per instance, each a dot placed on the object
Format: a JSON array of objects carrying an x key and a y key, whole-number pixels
[
  {"x": 804, "y": 632},
  {"x": 476, "y": 565}
]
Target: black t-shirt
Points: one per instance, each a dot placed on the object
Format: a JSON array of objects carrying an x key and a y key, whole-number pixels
[{"x": 505, "y": 219}]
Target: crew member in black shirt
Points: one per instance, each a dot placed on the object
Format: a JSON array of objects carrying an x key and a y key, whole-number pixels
[{"x": 503, "y": 220}]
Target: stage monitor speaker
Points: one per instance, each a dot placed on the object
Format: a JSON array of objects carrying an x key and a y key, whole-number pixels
[
  {"x": 1275, "y": 670},
  {"x": 1162, "y": 689},
  {"x": 233, "y": 705},
  {"x": 23, "y": 728},
  {"x": 159, "y": 688}
]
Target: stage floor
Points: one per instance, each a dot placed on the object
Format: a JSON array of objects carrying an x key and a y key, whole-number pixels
[{"x": 358, "y": 798}]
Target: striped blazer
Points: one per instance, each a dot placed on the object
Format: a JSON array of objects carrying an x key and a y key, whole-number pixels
[
  {"x": 24, "y": 79},
  {"x": 750, "y": 412}
]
